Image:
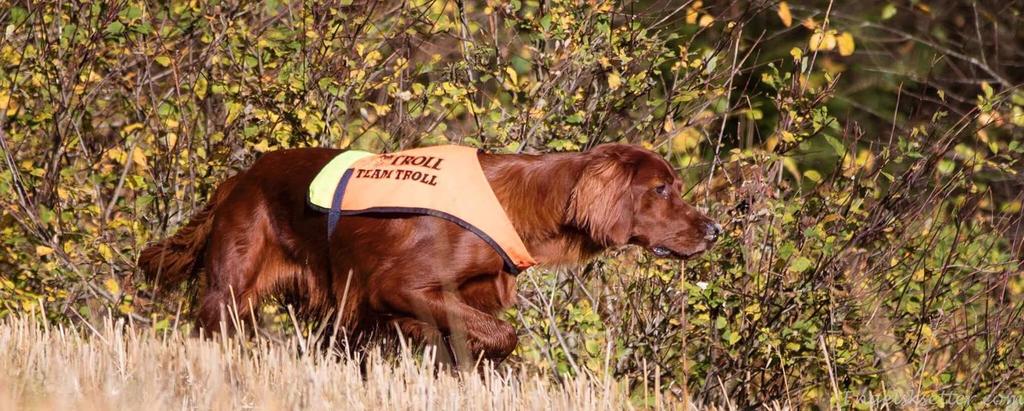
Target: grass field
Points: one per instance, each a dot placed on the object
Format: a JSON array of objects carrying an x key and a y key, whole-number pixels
[
  {"x": 118, "y": 366},
  {"x": 865, "y": 160}
]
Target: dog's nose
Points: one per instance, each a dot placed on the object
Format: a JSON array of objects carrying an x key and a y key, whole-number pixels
[{"x": 712, "y": 230}]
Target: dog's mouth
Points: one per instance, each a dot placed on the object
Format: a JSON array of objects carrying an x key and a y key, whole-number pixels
[{"x": 665, "y": 252}]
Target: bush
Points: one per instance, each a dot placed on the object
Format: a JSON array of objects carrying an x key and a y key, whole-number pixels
[{"x": 861, "y": 156}]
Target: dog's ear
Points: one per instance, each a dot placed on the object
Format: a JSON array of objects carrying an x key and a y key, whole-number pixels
[{"x": 601, "y": 202}]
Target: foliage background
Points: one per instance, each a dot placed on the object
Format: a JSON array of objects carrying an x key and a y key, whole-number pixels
[{"x": 863, "y": 156}]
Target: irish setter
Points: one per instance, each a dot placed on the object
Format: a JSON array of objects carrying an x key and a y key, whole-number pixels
[{"x": 423, "y": 275}]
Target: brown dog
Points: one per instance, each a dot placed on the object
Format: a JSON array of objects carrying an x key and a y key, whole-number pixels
[{"x": 424, "y": 275}]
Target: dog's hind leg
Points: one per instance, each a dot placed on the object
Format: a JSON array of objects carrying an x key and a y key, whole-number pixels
[
  {"x": 226, "y": 301},
  {"x": 241, "y": 247},
  {"x": 247, "y": 262}
]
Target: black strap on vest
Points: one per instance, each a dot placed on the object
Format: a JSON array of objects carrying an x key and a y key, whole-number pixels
[{"x": 335, "y": 212}]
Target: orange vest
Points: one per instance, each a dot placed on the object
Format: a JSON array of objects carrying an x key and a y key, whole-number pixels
[{"x": 442, "y": 181}]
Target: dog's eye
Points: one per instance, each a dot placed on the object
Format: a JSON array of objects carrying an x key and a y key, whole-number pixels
[{"x": 661, "y": 190}]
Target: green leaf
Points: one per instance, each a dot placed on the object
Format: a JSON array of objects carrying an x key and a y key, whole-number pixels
[
  {"x": 888, "y": 11},
  {"x": 115, "y": 28},
  {"x": 786, "y": 250},
  {"x": 1017, "y": 98},
  {"x": 18, "y": 15},
  {"x": 731, "y": 337},
  {"x": 143, "y": 28},
  {"x": 837, "y": 145},
  {"x": 800, "y": 264},
  {"x": 545, "y": 22},
  {"x": 131, "y": 13},
  {"x": 946, "y": 167},
  {"x": 987, "y": 89}
]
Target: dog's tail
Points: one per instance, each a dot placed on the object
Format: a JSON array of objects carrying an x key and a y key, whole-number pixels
[{"x": 169, "y": 262}]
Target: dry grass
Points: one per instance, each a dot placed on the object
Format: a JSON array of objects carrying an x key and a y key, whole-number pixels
[{"x": 117, "y": 366}]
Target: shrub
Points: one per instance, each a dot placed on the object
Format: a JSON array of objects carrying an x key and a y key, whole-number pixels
[{"x": 863, "y": 158}]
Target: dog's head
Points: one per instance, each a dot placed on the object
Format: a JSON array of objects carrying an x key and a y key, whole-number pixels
[{"x": 629, "y": 195}]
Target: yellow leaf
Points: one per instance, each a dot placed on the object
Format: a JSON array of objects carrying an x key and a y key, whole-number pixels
[
  {"x": 200, "y": 87},
  {"x": 116, "y": 154},
  {"x": 380, "y": 109},
  {"x": 815, "y": 43},
  {"x": 139, "y": 158},
  {"x": 822, "y": 41},
  {"x": 771, "y": 142},
  {"x": 706, "y": 20},
  {"x": 785, "y": 15},
  {"x": 106, "y": 252},
  {"x": 42, "y": 250},
  {"x": 614, "y": 80},
  {"x": 865, "y": 159},
  {"x": 796, "y": 52},
  {"x": 234, "y": 109},
  {"x": 512, "y": 75},
  {"x": 813, "y": 175},
  {"x": 846, "y": 45},
  {"x": 373, "y": 57},
  {"x": 669, "y": 125},
  {"x": 1011, "y": 207},
  {"x": 687, "y": 139},
  {"x": 831, "y": 217},
  {"x": 790, "y": 164},
  {"x": 112, "y": 286},
  {"x": 929, "y": 334},
  {"x": 131, "y": 127},
  {"x": 262, "y": 146},
  {"x": 918, "y": 275},
  {"x": 809, "y": 23},
  {"x": 830, "y": 40},
  {"x": 691, "y": 17}
]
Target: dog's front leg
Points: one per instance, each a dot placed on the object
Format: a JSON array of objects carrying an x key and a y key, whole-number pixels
[{"x": 470, "y": 330}]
